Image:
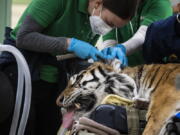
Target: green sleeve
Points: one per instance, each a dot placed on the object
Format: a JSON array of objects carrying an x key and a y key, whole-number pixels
[
  {"x": 153, "y": 10},
  {"x": 44, "y": 11},
  {"x": 159, "y": 9},
  {"x": 110, "y": 36}
]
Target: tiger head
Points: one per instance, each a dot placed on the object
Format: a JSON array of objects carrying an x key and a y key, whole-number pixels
[
  {"x": 86, "y": 90},
  {"x": 156, "y": 83}
]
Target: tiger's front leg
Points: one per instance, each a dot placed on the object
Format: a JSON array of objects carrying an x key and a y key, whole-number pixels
[{"x": 163, "y": 105}]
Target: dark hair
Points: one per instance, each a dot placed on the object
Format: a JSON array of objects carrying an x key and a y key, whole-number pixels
[{"x": 123, "y": 8}]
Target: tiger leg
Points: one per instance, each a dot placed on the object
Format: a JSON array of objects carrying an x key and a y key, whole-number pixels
[{"x": 162, "y": 106}]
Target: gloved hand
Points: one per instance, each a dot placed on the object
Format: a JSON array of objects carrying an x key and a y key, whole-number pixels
[
  {"x": 118, "y": 51},
  {"x": 84, "y": 50}
]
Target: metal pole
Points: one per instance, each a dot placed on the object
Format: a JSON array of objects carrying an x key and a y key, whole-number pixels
[{"x": 5, "y": 16}]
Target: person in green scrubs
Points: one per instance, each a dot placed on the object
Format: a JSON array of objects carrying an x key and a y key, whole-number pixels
[
  {"x": 132, "y": 35},
  {"x": 55, "y": 27}
]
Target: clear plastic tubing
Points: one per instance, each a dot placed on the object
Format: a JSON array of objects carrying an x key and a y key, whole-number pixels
[{"x": 24, "y": 78}]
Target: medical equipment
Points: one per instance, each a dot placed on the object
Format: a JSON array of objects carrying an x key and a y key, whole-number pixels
[{"x": 24, "y": 78}]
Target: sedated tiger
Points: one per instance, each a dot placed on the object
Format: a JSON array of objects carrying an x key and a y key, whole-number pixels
[{"x": 154, "y": 83}]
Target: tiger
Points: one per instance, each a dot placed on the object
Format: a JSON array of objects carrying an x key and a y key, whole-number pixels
[{"x": 153, "y": 83}]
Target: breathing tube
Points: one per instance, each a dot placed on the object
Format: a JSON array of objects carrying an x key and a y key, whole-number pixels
[{"x": 24, "y": 78}]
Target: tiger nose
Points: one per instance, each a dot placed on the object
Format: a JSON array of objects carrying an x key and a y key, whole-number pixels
[{"x": 59, "y": 101}]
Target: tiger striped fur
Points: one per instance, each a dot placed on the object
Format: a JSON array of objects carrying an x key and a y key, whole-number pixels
[{"x": 155, "y": 83}]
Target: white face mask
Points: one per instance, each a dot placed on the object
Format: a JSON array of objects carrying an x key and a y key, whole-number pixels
[{"x": 98, "y": 25}]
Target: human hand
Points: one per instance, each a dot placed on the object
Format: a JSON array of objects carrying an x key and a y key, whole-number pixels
[
  {"x": 84, "y": 50},
  {"x": 118, "y": 51}
]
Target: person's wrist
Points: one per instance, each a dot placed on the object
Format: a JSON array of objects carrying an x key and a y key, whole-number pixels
[
  {"x": 68, "y": 42},
  {"x": 71, "y": 43}
]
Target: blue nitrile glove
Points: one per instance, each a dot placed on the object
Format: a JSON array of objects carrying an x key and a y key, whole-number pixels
[
  {"x": 84, "y": 50},
  {"x": 118, "y": 51},
  {"x": 178, "y": 115}
]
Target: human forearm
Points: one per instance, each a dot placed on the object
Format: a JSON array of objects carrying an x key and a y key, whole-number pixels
[
  {"x": 30, "y": 37},
  {"x": 136, "y": 41}
]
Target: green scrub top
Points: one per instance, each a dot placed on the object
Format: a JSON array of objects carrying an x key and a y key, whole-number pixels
[
  {"x": 148, "y": 12},
  {"x": 60, "y": 18}
]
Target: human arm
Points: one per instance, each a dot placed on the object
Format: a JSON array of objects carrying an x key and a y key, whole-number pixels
[
  {"x": 132, "y": 44},
  {"x": 30, "y": 37},
  {"x": 35, "y": 27},
  {"x": 136, "y": 41},
  {"x": 38, "y": 16},
  {"x": 149, "y": 11}
]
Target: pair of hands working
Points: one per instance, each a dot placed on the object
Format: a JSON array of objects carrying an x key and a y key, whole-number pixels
[{"x": 85, "y": 50}]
